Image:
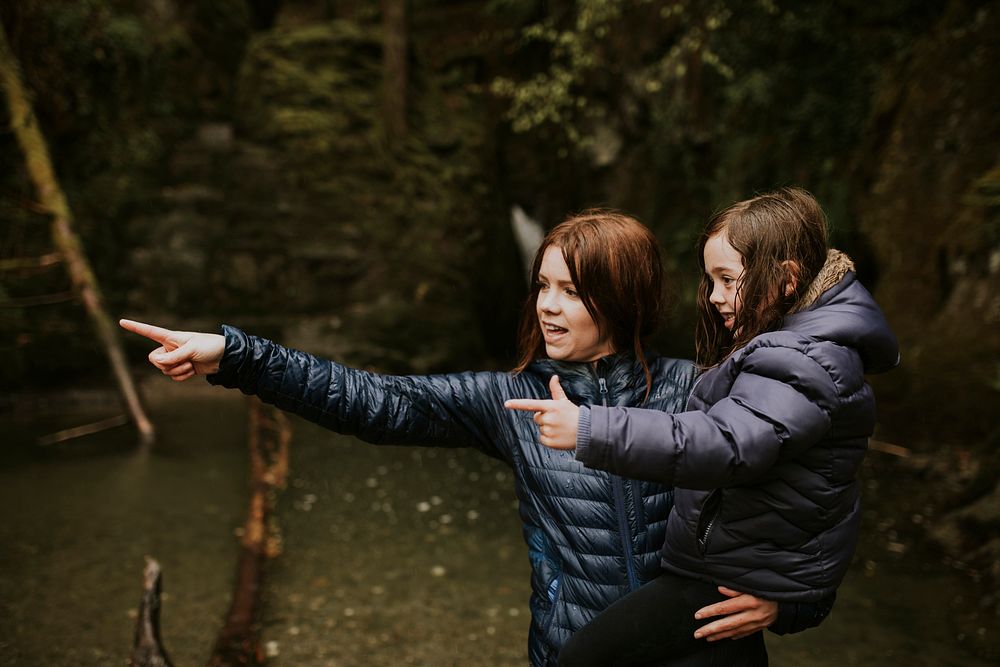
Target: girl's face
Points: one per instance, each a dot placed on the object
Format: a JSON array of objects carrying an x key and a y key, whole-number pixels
[
  {"x": 569, "y": 331},
  {"x": 724, "y": 267}
]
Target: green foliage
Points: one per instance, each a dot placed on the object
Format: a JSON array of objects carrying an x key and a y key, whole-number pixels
[
  {"x": 720, "y": 99},
  {"x": 309, "y": 89},
  {"x": 516, "y": 11},
  {"x": 94, "y": 71},
  {"x": 986, "y": 190},
  {"x": 595, "y": 70}
]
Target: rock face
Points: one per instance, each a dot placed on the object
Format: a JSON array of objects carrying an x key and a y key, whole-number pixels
[
  {"x": 938, "y": 248},
  {"x": 302, "y": 221}
]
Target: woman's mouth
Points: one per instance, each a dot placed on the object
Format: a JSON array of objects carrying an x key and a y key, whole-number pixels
[{"x": 551, "y": 332}]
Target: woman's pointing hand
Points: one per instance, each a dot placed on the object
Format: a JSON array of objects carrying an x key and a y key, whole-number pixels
[{"x": 181, "y": 354}]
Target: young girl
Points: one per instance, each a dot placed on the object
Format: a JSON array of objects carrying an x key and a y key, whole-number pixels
[{"x": 766, "y": 460}]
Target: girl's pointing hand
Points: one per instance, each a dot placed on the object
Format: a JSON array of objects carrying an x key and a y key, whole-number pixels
[{"x": 556, "y": 418}]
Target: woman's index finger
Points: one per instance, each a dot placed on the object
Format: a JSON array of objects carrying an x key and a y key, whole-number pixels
[{"x": 158, "y": 334}]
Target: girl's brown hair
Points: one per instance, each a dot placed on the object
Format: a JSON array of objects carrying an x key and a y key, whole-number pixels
[
  {"x": 782, "y": 238},
  {"x": 617, "y": 269}
]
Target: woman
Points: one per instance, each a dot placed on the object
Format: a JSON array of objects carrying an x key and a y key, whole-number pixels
[{"x": 592, "y": 537}]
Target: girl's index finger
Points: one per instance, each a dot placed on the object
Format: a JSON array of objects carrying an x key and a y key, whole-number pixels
[
  {"x": 158, "y": 334},
  {"x": 528, "y": 404}
]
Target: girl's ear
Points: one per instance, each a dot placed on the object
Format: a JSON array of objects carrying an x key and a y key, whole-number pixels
[{"x": 791, "y": 267}]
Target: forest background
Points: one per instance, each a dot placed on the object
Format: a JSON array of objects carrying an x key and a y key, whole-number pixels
[{"x": 270, "y": 163}]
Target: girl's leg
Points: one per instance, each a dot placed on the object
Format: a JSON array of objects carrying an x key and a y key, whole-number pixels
[
  {"x": 747, "y": 652},
  {"x": 649, "y": 626}
]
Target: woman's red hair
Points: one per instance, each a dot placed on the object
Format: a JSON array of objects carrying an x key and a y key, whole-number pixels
[{"x": 617, "y": 268}]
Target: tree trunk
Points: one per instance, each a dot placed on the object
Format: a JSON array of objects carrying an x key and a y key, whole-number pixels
[
  {"x": 394, "y": 74},
  {"x": 263, "y": 13},
  {"x": 36, "y": 154}
]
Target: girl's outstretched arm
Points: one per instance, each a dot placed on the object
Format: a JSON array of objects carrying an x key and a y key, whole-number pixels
[{"x": 780, "y": 403}]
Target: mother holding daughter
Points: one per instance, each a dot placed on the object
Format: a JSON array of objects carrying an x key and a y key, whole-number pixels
[
  {"x": 592, "y": 536},
  {"x": 766, "y": 458}
]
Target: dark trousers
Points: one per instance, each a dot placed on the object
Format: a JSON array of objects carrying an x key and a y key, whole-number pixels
[{"x": 654, "y": 626}]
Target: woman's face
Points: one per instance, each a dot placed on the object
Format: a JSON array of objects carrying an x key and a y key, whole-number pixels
[
  {"x": 724, "y": 268},
  {"x": 569, "y": 331}
]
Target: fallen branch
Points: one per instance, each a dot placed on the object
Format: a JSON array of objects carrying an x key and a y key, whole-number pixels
[
  {"x": 86, "y": 429},
  {"x": 147, "y": 649},
  {"x": 888, "y": 448},
  {"x": 31, "y": 264},
  {"x": 41, "y": 300},
  {"x": 238, "y": 643},
  {"x": 53, "y": 200}
]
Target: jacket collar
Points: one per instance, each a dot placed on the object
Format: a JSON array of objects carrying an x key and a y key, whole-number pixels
[
  {"x": 836, "y": 307},
  {"x": 836, "y": 266},
  {"x": 621, "y": 372}
]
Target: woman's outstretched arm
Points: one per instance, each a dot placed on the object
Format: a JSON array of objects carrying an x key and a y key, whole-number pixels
[{"x": 461, "y": 409}]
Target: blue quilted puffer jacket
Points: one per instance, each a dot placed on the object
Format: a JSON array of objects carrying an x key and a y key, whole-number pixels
[{"x": 592, "y": 537}]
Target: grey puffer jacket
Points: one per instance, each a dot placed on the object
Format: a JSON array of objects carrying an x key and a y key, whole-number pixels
[
  {"x": 766, "y": 467},
  {"x": 592, "y": 537}
]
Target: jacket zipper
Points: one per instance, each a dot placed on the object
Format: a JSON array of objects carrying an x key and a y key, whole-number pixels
[
  {"x": 618, "y": 488},
  {"x": 712, "y": 507}
]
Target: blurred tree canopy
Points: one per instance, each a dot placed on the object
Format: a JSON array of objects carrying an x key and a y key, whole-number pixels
[
  {"x": 668, "y": 110},
  {"x": 725, "y": 98}
]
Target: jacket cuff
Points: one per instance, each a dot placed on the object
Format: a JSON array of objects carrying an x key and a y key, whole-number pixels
[
  {"x": 798, "y": 616},
  {"x": 583, "y": 435},
  {"x": 233, "y": 355},
  {"x": 787, "y": 614},
  {"x": 582, "y": 432}
]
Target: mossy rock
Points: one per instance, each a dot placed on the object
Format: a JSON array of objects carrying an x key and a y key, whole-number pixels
[{"x": 310, "y": 90}]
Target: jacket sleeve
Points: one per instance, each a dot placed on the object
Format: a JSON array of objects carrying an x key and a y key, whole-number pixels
[
  {"x": 455, "y": 410},
  {"x": 779, "y": 404},
  {"x": 798, "y": 616}
]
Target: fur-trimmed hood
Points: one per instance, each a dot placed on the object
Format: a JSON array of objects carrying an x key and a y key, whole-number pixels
[
  {"x": 834, "y": 269},
  {"x": 837, "y": 307}
]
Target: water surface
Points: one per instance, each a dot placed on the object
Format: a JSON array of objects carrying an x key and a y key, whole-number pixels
[{"x": 392, "y": 555}]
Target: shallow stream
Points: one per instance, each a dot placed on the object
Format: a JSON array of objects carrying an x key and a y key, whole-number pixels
[{"x": 391, "y": 555}]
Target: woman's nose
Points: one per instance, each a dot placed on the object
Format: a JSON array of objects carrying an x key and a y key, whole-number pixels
[{"x": 548, "y": 302}]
